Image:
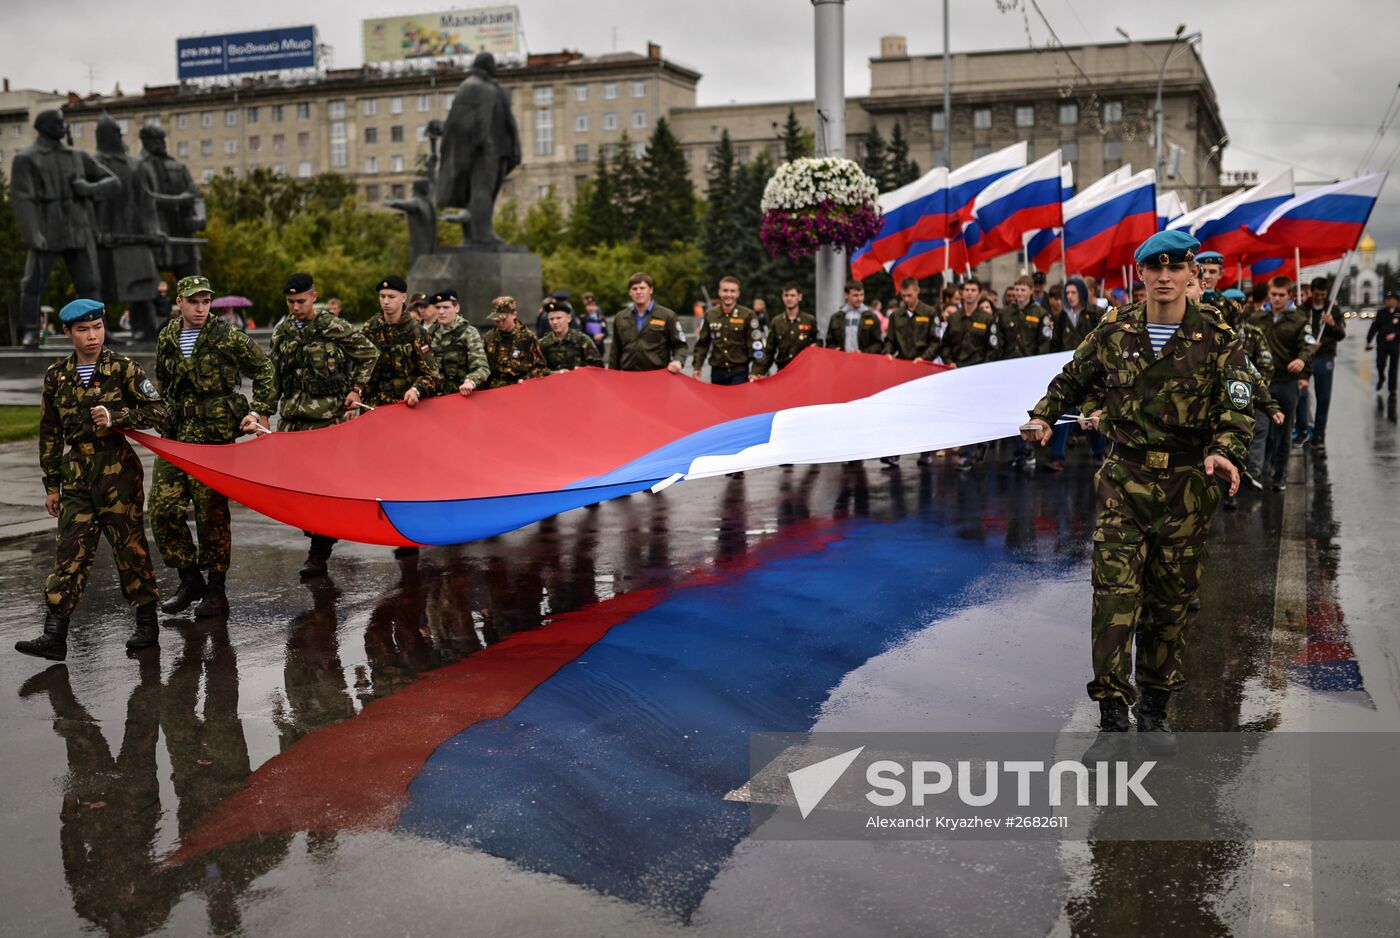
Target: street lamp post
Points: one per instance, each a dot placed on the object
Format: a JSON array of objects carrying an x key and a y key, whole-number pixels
[
  {"x": 1159, "y": 119},
  {"x": 831, "y": 138}
]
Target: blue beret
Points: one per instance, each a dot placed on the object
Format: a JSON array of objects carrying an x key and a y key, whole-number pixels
[
  {"x": 78, "y": 310},
  {"x": 1210, "y": 257},
  {"x": 1233, "y": 294},
  {"x": 1167, "y": 247}
]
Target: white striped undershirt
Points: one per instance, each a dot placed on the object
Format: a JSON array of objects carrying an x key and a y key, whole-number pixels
[
  {"x": 85, "y": 373},
  {"x": 188, "y": 337},
  {"x": 1158, "y": 334}
]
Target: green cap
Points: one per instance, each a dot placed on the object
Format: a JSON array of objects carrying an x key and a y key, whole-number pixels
[{"x": 189, "y": 286}]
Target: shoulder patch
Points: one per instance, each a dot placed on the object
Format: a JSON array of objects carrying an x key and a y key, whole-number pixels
[
  {"x": 149, "y": 389},
  {"x": 1240, "y": 394}
]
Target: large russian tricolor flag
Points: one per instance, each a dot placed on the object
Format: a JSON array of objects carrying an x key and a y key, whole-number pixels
[
  {"x": 1043, "y": 246},
  {"x": 1105, "y": 224},
  {"x": 1224, "y": 225},
  {"x": 1017, "y": 203},
  {"x": 1170, "y": 207},
  {"x": 1325, "y": 223},
  {"x": 917, "y": 210}
]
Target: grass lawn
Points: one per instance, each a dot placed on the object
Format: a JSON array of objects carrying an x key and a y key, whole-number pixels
[{"x": 18, "y": 422}]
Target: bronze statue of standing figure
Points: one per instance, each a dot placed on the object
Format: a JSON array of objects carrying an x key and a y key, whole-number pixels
[
  {"x": 128, "y": 235},
  {"x": 480, "y": 146}
]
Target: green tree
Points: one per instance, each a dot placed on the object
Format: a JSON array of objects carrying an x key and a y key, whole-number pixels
[
  {"x": 543, "y": 229},
  {"x": 874, "y": 162},
  {"x": 597, "y": 217},
  {"x": 719, "y": 233},
  {"x": 629, "y": 188},
  {"x": 603, "y": 270},
  {"x": 668, "y": 203},
  {"x": 899, "y": 168},
  {"x": 797, "y": 142}
]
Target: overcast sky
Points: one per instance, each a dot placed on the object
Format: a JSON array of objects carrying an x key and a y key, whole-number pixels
[{"x": 1299, "y": 82}]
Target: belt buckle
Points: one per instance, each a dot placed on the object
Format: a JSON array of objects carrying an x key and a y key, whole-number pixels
[{"x": 1157, "y": 459}]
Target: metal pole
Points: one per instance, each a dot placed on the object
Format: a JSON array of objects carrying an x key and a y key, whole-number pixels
[
  {"x": 947, "y": 94},
  {"x": 831, "y": 139},
  {"x": 1161, "y": 77}
]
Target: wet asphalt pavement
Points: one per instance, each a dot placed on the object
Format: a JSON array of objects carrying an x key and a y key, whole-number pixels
[{"x": 230, "y": 783}]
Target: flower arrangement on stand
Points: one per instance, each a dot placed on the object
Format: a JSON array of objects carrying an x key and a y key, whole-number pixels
[{"x": 813, "y": 202}]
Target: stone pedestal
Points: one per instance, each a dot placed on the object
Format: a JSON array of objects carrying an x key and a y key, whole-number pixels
[{"x": 479, "y": 277}]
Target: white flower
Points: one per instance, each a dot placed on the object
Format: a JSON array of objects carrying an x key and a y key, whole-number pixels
[{"x": 805, "y": 183}]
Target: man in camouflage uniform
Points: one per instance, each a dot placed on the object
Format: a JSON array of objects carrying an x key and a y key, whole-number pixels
[
  {"x": 405, "y": 369},
  {"x": 1289, "y": 336},
  {"x": 322, "y": 365},
  {"x": 565, "y": 348},
  {"x": 788, "y": 335},
  {"x": 512, "y": 353},
  {"x": 1026, "y": 329},
  {"x": 94, "y": 486},
  {"x": 201, "y": 362},
  {"x": 1176, "y": 404},
  {"x": 457, "y": 346},
  {"x": 971, "y": 335},
  {"x": 646, "y": 336},
  {"x": 729, "y": 337},
  {"x": 855, "y": 327}
]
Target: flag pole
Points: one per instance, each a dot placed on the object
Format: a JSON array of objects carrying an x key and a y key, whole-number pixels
[
  {"x": 1337, "y": 283},
  {"x": 1298, "y": 274},
  {"x": 1064, "y": 258},
  {"x": 1025, "y": 252}
]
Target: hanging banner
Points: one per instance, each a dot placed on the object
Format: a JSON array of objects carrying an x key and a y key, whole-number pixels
[{"x": 451, "y": 32}]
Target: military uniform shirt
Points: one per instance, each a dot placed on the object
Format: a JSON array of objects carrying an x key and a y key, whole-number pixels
[
  {"x": 405, "y": 360},
  {"x": 786, "y": 340},
  {"x": 574, "y": 350},
  {"x": 659, "y": 341},
  {"x": 513, "y": 356},
  {"x": 910, "y": 333},
  {"x": 460, "y": 355},
  {"x": 1289, "y": 336},
  {"x": 729, "y": 340},
  {"x": 318, "y": 362},
  {"x": 201, "y": 387}
]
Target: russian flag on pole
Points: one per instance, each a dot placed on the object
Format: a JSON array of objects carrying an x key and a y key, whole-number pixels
[
  {"x": 1043, "y": 246},
  {"x": 1016, "y": 203},
  {"x": 1327, "y": 221},
  {"x": 1105, "y": 224},
  {"x": 967, "y": 181},
  {"x": 928, "y": 258},
  {"x": 1224, "y": 225},
  {"x": 1170, "y": 207},
  {"x": 917, "y": 210}
]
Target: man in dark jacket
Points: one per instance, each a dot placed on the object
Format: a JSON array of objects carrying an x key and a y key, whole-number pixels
[
  {"x": 1329, "y": 326},
  {"x": 1386, "y": 327}
]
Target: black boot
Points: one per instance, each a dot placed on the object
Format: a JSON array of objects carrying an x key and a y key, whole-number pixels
[
  {"x": 53, "y": 644},
  {"x": 215, "y": 599},
  {"x": 1112, "y": 742},
  {"x": 147, "y": 631},
  {"x": 191, "y": 591},
  {"x": 1152, "y": 721},
  {"x": 317, "y": 556},
  {"x": 403, "y": 553}
]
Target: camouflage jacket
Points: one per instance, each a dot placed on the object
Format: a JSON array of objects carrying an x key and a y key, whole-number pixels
[
  {"x": 1229, "y": 309},
  {"x": 574, "y": 350},
  {"x": 786, "y": 339},
  {"x": 910, "y": 334},
  {"x": 729, "y": 340},
  {"x": 660, "y": 341},
  {"x": 460, "y": 355},
  {"x": 405, "y": 360},
  {"x": 1026, "y": 331},
  {"x": 318, "y": 364},
  {"x": 1289, "y": 338},
  {"x": 868, "y": 338},
  {"x": 1261, "y": 360},
  {"x": 203, "y": 400},
  {"x": 968, "y": 338},
  {"x": 65, "y": 419},
  {"x": 1196, "y": 396},
  {"x": 513, "y": 356}
]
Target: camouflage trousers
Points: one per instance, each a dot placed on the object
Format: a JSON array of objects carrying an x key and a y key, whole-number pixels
[
  {"x": 101, "y": 496},
  {"x": 172, "y": 491},
  {"x": 1149, "y": 545}
]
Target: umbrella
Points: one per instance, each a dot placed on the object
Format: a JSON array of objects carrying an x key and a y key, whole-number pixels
[{"x": 226, "y": 302}]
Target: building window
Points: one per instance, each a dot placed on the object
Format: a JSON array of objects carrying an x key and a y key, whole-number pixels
[
  {"x": 124, "y": 125},
  {"x": 421, "y": 133},
  {"x": 580, "y": 153},
  {"x": 544, "y": 132},
  {"x": 231, "y": 147},
  {"x": 542, "y": 192},
  {"x": 182, "y": 121},
  {"x": 1069, "y": 150},
  {"x": 335, "y": 110},
  {"x": 276, "y": 112},
  {"x": 371, "y": 164},
  {"x": 396, "y": 162},
  {"x": 743, "y": 154},
  {"x": 544, "y": 96},
  {"x": 609, "y": 150},
  {"x": 396, "y": 104},
  {"x": 689, "y": 156},
  {"x": 1112, "y": 149},
  {"x": 230, "y": 118},
  {"x": 639, "y": 120},
  {"x": 639, "y": 149},
  {"x": 610, "y": 120},
  {"x": 396, "y": 190},
  {"x": 372, "y": 193},
  {"x": 206, "y": 148},
  {"x": 152, "y": 121},
  {"x": 396, "y": 134},
  {"x": 581, "y": 123},
  {"x": 1025, "y": 115},
  {"x": 303, "y": 110},
  {"x": 279, "y": 143},
  {"x": 1112, "y": 112},
  {"x": 580, "y": 92},
  {"x": 254, "y": 143},
  {"x": 304, "y": 169},
  {"x": 639, "y": 89},
  {"x": 207, "y": 176},
  {"x": 447, "y": 100},
  {"x": 371, "y": 135},
  {"x": 1069, "y": 113},
  {"x": 279, "y": 168},
  {"x": 609, "y": 90},
  {"x": 936, "y": 121},
  {"x": 182, "y": 148},
  {"x": 774, "y": 151},
  {"x": 425, "y": 103},
  {"x": 340, "y": 150},
  {"x": 980, "y": 150},
  {"x": 982, "y": 118},
  {"x": 369, "y": 106},
  {"x": 206, "y": 119},
  {"x": 303, "y": 140},
  {"x": 253, "y": 115}
]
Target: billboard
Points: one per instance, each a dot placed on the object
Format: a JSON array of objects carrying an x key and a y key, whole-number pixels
[
  {"x": 263, "y": 50},
  {"x": 452, "y": 32}
]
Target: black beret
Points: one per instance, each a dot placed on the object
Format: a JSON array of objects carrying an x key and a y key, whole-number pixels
[
  {"x": 444, "y": 296},
  {"x": 1038, "y": 276},
  {"x": 393, "y": 282},
  {"x": 298, "y": 283},
  {"x": 552, "y": 305}
]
